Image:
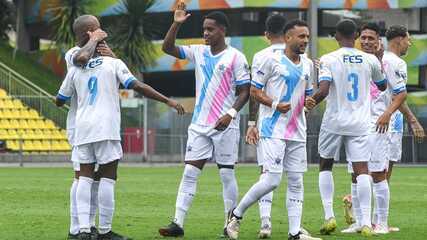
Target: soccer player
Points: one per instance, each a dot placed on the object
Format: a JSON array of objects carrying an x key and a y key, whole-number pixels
[
  {"x": 281, "y": 83},
  {"x": 274, "y": 33},
  {"x": 97, "y": 131},
  {"x": 344, "y": 77},
  {"x": 222, "y": 89}
]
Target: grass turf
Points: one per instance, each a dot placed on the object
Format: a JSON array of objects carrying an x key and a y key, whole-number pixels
[{"x": 35, "y": 205}]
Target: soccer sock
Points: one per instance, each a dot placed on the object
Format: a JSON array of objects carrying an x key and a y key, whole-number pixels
[
  {"x": 326, "y": 188},
  {"x": 355, "y": 204},
  {"x": 265, "y": 206},
  {"x": 229, "y": 190},
  {"x": 382, "y": 197},
  {"x": 106, "y": 204},
  {"x": 259, "y": 189},
  {"x": 83, "y": 203},
  {"x": 294, "y": 201},
  {"x": 93, "y": 203},
  {"x": 186, "y": 192},
  {"x": 74, "y": 216},
  {"x": 364, "y": 196}
]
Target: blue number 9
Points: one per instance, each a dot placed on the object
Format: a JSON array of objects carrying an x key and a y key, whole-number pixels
[
  {"x": 93, "y": 89},
  {"x": 354, "y": 94}
]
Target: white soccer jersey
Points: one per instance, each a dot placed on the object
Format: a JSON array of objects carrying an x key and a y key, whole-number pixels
[
  {"x": 217, "y": 77},
  {"x": 396, "y": 83},
  {"x": 284, "y": 81},
  {"x": 69, "y": 56},
  {"x": 348, "y": 105},
  {"x": 259, "y": 56},
  {"x": 98, "y": 108},
  {"x": 396, "y": 70}
]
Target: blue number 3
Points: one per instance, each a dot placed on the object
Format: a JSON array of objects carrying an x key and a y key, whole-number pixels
[
  {"x": 93, "y": 89},
  {"x": 354, "y": 94}
]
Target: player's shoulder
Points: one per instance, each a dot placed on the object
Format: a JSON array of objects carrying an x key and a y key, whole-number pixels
[
  {"x": 393, "y": 59},
  {"x": 236, "y": 52},
  {"x": 72, "y": 50},
  {"x": 330, "y": 57},
  {"x": 305, "y": 59}
]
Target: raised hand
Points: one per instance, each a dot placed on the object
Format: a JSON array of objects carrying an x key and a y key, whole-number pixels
[
  {"x": 418, "y": 131},
  {"x": 180, "y": 14},
  {"x": 177, "y": 106},
  {"x": 97, "y": 35},
  {"x": 283, "y": 107},
  {"x": 310, "y": 103},
  {"x": 103, "y": 49}
]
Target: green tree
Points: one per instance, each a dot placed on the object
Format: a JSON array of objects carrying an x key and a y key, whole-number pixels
[{"x": 7, "y": 19}]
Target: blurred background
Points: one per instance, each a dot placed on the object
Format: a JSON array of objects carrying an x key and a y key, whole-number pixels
[{"x": 35, "y": 34}]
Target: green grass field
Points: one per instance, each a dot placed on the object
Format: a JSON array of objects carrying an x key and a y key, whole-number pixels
[{"x": 35, "y": 205}]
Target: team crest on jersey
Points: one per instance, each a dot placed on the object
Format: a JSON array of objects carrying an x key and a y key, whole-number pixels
[
  {"x": 400, "y": 74},
  {"x": 189, "y": 148},
  {"x": 221, "y": 67}
]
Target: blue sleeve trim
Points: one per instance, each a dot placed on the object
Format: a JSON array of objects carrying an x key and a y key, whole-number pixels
[
  {"x": 181, "y": 52},
  {"x": 309, "y": 92},
  {"x": 399, "y": 90},
  {"x": 325, "y": 78},
  {"x": 242, "y": 82},
  {"x": 62, "y": 97},
  {"x": 381, "y": 82},
  {"x": 257, "y": 85},
  {"x": 129, "y": 81}
]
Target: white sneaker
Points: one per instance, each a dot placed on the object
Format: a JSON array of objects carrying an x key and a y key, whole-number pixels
[
  {"x": 233, "y": 228},
  {"x": 304, "y": 231},
  {"x": 265, "y": 232},
  {"x": 302, "y": 236},
  {"x": 353, "y": 228},
  {"x": 381, "y": 229},
  {"x": 393, "y": 229}
]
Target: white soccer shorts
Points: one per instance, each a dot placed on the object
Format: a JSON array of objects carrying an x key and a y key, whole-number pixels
[
  {"x": 395, "y": 146},
  {"x": 204, "y": 142},
  {"x": 378, "y": 144},
  {"x": 356, "y": 147},
  {"x": 101, "y": 152},
  {"x": 280, "y": 154}
]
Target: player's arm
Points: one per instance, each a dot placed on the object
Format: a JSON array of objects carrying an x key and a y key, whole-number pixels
[
  {"x": 262, "y": 98},
  {"x": 384, "y": 120},
  {"x": 325, "y": 79},
  {"x": 179, "y": 17},
  {"x": 377, "y": 72},
  {"x": 415, "y": 125},
  {"x": 87, "y": 51},
  {"x": 252, "y": 135},
  {"x": 66, "y": 90}
]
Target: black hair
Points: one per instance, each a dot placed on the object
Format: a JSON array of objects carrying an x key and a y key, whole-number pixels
[
  {"x": 347, "y": 28},
  {"x": 219, "y": 17},
  {"x": 371, "y": 26},
  {"x": 396, "y": 31},
  {"x": 275, "y": 24},
  {"x": 293, "y": 23}
]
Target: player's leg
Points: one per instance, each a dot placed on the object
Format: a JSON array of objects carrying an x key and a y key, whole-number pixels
[
  {"x": 74, "y": 217},
  {"x": 265, "y": 203},
  {"x": 358, "y": 153},
  {"x": 353, "y": 205},
  {"x": 329, "y": 144},
  {"x": 273, "y": 151},
  {"x": 199, "y": 149},
  {"x": 94, "y": 201}
]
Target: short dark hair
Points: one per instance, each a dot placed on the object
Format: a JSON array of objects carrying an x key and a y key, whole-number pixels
[
  {"x": 293, "y": 23},
  {"x": 346, "y": 28},
  {"x": 371, "y": 26},
  {"x": 275, "y": 23},
  {"x": 219, "y": 17},
  {"x": 396, "y": 31}
]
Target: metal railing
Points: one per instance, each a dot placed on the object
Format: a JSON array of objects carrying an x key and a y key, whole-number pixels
[{"x": 31, "y": 95}]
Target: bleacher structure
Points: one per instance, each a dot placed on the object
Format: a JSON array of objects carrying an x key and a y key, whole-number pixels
[{"x": 25, "y": 130}]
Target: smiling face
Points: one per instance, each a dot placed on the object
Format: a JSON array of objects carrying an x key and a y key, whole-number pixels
[
  {"x": 369, "y": 41},
  {"x": 297, "y": 39},
  {"x": 213, "y": 33}
]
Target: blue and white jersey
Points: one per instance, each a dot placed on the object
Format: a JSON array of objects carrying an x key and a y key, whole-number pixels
[
  {"x": 396, "y": 70},
  {"x": 217, "y": 77},
  {"x": 97, "y": 88},
  {"x": 348, "y": 105},
  {"x": 283, "y": 81},
  {"x": 258, "y": 58}
]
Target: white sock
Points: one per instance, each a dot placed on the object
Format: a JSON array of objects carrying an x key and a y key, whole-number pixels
[
  {"x": 74, "y": 216},
  {"x": 93, "y": 203},
  {"x": 326, "y": 188},
  {"x": 259, "y": 189},
  {"x": 382, "y": 195},
  {"x": 265, "y": 203},
  {"x": 364, "y": 196},
  {"x": 186, "y": 192},
  {"x": 230, "y": 192},
  {"x": 294, "y": 201},
  {"x": 106, "y": 204},
  {"x": 83, "y": 203},
  {"x": 355, "y": 204}
]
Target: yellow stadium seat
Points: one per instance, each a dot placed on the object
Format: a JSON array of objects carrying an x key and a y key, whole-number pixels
[
  {"x": 3, "y": 93},
  {"x": 17, "y": 104},
  {"x": 39, "y": 123},
  {"x": 38, "y": 134},
  {"x": 32, "y": 124},
  {"x": 46, "y": 145},
  {"x": 2, "y": 104},
  {"x": 4, "y": 135},
  {"x": 12, "y": 134},
  {"x": 28, "y": 146},
  {"x": 64, "y": 146},
  {"x": 2, "y": 114},
  {"x": 29, "y": 133},
  {"x": 4, "y": 124},
  {"x": 7, "y": 113},
  {"x": 8, "y": 104},
  {"x": 12, "y": 145},
  {"x": 37, "y": 144},
  {"x": 15, "y": 114},
  {"x": 22, "y": 133},
  {"x": 23, "y": 124},
  {"x": 49, "y": 124},
  {"x": 55, "y": 146},
  {"x": 56, "y": 134},
  {"x": 14, "y": 124},
  {"x": 33, "y": 114},
  {"x": 23, "y": 114}
]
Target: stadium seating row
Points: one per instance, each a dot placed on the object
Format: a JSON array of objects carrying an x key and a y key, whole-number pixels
[
  {"x": 30, "y": 134},
  {"x": 27, "y": 124},
  {"x": 38, "y": 145},
  {"x": 19, "y": 114},
  {"x": 11, "y": 104}
]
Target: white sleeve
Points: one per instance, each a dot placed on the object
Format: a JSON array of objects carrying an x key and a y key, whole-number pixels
[
  {"x": 396, "y": 76},
  {"x": 187, "y": 51},
  {"x": 325, "y": 73},
  {"x": 241, "y": 70},
  {"x": 69, "y": 56},
  {"x": 123, "y": 74},
  {"x": 260, "y": 71},
  {"x": 309, "y": 80},
  {"x": 66, "y": 90},
  {"x": 377, "y": 74}
]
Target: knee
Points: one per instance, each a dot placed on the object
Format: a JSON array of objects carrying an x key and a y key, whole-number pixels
[
  {"x": 227, "y": 175},
  {"x": 191, "y": 173},
  {"x": 295, "y": 182},
  {"x": 273, "y": 179}
]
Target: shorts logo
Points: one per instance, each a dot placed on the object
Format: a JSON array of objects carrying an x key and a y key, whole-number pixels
[
  {"x": 225, "y": 155},
  {"x": 278, "y": 160},
  {"x": 189, "y": 148}
]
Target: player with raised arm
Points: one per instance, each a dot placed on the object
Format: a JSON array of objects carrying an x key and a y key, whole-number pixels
[
  {"x": 281, "y": 83},
  {"x": 222, "y": 89},
  {"x": 97, "y": 132},
  {"x": 344, "y": 78}
]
